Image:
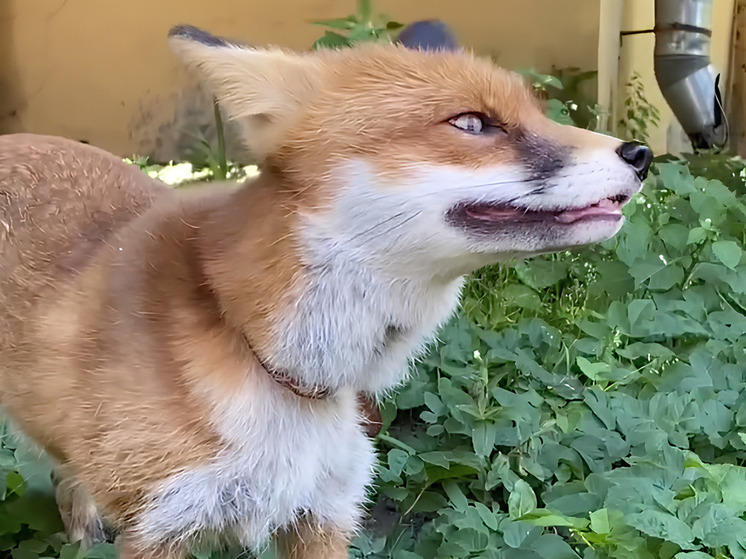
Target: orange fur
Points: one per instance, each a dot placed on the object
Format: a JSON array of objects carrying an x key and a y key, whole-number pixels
[
  {"x": 308, "y": 542},
  {"x": 132, "y": 316}
]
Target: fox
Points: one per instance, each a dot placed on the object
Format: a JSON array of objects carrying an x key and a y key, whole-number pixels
[{"x": 196, "y": 362}]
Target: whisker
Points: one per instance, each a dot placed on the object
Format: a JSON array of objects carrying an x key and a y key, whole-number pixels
[
  {"x": 455, "y": 189},
  {"x": 377, "y": 225},
  {"x": 397, "y": 225},
  {"x": 534, "y": 186}
]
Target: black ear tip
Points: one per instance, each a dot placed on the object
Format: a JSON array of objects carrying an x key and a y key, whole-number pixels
[
  {"x": 431, "y": 34},
  {"x": 196, "y": 34},
  {"x": 183, "y": 30}
]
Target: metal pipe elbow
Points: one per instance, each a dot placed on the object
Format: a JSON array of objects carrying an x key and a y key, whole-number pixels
[{"x": 688, "y": 81}]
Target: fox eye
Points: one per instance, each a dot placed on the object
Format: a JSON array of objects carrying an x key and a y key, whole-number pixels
[
  {"x": 476, "y": 123},
  {"x": 468, "y": 122}
]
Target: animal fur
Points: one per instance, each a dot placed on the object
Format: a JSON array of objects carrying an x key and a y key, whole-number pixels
[{"x": 142, "y": 330}]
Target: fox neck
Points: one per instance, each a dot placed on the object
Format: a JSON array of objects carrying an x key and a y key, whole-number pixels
[{"x": 308, "y": 307}]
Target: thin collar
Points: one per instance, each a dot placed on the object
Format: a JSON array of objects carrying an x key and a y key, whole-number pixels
[
  {"x": 371, "y": 420},
  {"x": 286, "y": 381},
  {"x": 310, "y": 392}
]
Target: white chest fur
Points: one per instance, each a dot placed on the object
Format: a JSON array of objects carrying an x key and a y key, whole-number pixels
[
  {"x": 357, "y": 328},
  {"x": 285, "y": 456},
  {"x": 372, "y": 290}
]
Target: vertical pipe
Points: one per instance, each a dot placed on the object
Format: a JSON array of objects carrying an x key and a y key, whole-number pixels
[
  {"x": 609, "y": 28},
  {"x": 688, "y": 81}
]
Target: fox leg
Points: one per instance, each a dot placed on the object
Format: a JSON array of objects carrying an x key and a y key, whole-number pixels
[
  {"x": 129, "y": 549},
  {"x": 308, "y": 541},
  {"x": 78, "y": 511}
]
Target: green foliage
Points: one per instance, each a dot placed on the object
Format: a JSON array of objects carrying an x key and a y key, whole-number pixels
[
  {"x": 728, "y": 169},
  {"x": 30, "y": 527},
  {"x": 219, "y": 163},
  {"x": 579, "y": 95},
  {"x": 361, "y": 26},
  {"x": 567, "y": 100},
  {"x": 588, "y": 404},
  {"x": 640, "y": 116}
]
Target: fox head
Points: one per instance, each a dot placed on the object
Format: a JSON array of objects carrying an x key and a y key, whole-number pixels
[{"x": 418, "y": 162}]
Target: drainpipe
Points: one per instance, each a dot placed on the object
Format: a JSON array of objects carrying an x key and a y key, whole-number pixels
[{"x": 688, "y": 81}]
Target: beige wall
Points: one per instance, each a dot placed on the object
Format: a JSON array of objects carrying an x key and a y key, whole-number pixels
[
  {"x": 637, "y": 55},
  {"x": 100, "y": 70}
]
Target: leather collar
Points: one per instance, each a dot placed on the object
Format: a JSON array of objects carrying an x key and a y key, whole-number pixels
[
  {"x": 310, "y": 392},
  {"x": 286, "y": 381},
  {"x": 370, "y": 412}
]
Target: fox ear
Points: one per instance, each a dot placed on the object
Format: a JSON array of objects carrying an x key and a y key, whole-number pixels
[{"x": 263, "y": 89}]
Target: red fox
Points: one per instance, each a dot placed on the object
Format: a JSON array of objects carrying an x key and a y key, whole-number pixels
[{"x": 191, "y": 361}]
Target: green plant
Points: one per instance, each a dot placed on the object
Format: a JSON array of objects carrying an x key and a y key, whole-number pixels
[
  {"x": 219, "y": 165},
  {"x": 567, "y": 102},
  {"x": 205, "y": 153},
  {"x": 640, "y": 116},
  {"x": 185, "y": 174},
  {"x": 30, "y": 526},
  {"x": 544, "y": 85},
  {"x": 588, "y": 404},
  {"x": 361, "y": 26},
  {"x": 728, "y": 169}
]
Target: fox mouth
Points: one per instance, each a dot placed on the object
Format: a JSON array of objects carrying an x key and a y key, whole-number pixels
[{"x": 476, "y": 214}]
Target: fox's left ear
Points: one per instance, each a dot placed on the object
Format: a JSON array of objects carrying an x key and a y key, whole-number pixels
[{"x": 264, "y": 89}]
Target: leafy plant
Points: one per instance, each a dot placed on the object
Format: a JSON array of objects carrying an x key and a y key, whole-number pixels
[
  {"x": 219, "y": 165},
  {"x": 361, "y": 26},
  {"x": 640, "y": 116},
  {"x": 544, "y": 85},
  {"x": 728, "y": 169},
  {"x": 575, "y": 94},
  {"x": 588, "y": 404},
  {"x": 566, "y": 102},
  {"x": 30, "y": 526}
]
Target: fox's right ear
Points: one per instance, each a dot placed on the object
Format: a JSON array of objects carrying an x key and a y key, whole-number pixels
[{"x": 264, "y": 89}]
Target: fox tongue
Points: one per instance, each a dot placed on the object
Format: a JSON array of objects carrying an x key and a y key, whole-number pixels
[{"x": 604, "y": 209}]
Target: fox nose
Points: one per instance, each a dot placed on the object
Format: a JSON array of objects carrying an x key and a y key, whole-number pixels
[{"x": 638, "y": 156}]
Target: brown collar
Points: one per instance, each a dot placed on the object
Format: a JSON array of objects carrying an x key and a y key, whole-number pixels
[
  {"x": 286, "y": 381},
  {"x": 370, "y": 412},
  {"x": 310, "y": 392}
]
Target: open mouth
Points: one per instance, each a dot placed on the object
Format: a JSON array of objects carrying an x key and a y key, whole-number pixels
[{"x": 608, "y": 209}]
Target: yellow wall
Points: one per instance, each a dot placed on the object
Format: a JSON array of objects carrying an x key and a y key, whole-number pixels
[
  {"x": 637, "y": 55},
  {"x": 100, "y": 70}
]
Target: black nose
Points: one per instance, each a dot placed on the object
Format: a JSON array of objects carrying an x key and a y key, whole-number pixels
[{"x": 638, "y": 156}]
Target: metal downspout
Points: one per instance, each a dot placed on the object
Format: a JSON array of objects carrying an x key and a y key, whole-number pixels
[{"x": 688, "y": 81}]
